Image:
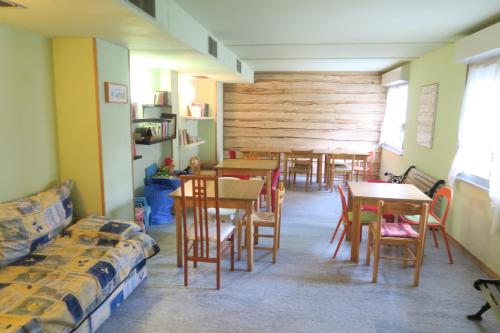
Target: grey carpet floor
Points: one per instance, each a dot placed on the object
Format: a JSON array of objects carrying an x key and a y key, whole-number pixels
[{"x": 305, "y": 291}]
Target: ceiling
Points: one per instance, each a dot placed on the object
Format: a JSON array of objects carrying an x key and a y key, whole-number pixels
[
  {"x": 114, "y": 22},
  {"x": 333, "y": 35}
]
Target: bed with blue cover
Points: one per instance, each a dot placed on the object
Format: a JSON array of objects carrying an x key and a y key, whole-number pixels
[{"x": 61, "y": 277}]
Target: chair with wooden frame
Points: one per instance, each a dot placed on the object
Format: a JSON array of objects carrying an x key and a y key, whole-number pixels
[
  {"x": 346, "y": 220},
  {"x": 258, "y": 155},
  {"x": 204, "y": 241},
  {"x": 267, "y": 220},
  {"x": 381, "y": 233},
  {"x": 437, "y": 216},
  {"x": 302, "y": 163},
  {"x": 340, "y": 164},
  {"x": 360, "y": 169}
]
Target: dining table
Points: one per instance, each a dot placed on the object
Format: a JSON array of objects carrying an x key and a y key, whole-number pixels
[
  {"x": 239, "y": 194},
  {"x": 365, "y": 193},
  {"x": 246, "y": 167},
  {"x": 321, "y": 155}
]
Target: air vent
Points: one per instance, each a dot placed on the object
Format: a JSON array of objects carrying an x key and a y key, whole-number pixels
[
  {"x": 148, "y": 6},
  {"x": 238, "y": 65},
  {"x": 10, "y": 4},
  {"x": 212, "y": 47}
]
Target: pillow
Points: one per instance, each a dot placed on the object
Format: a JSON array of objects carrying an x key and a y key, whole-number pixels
[
  {"x": 28, "y": 223},
  {"x": 103, "y": 228}
]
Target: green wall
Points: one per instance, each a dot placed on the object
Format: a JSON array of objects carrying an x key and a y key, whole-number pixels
[
  {"x": 113, "y": 66},
  {"x": 470, "y": 217},
  {"x": 27, "y": 115}
]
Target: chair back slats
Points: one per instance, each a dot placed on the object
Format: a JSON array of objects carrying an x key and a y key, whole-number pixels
[
  {"x": 198, "y": 231},
  {"x": 401, "y": 209},
  {"x": 279, "y": 199}
]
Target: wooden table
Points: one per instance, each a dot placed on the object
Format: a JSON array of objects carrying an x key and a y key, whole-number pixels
[
  {"x": 344, "y": 155},
  {"x": 242, "y": 167},
  {"x": 362, "y": 193},
  {"x": 239, "y": 194}
]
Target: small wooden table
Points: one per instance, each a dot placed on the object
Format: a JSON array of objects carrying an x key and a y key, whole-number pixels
[
  {"x": 239, "y": 194},
  {"x": 362, "y": 193},
  {"x": 242, "y": 167}
]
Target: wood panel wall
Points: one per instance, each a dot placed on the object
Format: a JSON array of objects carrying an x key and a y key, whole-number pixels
[{"x": 305, "y": 110}]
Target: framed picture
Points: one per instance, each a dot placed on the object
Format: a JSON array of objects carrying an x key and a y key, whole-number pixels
[
  {"x": 427, "y": 115},
  {"x": 115, "y": 93}
]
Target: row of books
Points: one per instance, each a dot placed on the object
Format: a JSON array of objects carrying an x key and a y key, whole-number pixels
[
  {"x": 186, "y": 139},
  {"x": 150, "y": 132},
  {"x": 163, "y": 98}
]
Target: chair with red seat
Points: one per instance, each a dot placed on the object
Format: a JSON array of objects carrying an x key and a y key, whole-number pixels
[
  {"x": 436, "y": 220},
  {"x": 380, "y": 233},
  {"x": 360, "y": 169}
]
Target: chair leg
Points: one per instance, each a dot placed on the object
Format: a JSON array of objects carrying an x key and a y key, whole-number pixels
[
  {"x": 185, "y": 265},
  {"x": 275, "y": 243},
  {"x": 279, "y": 231},
  {"x": 240, "y": 230},
  {"x": 368, "y": 247},
  {"x": 256, "y": 235},
  {"x": 405, "y": 256},
  {"x": 435, "y": 237},
  {"x": 342, "y": 236},
  {"x": 232, "y": 252},
  {"x": 447, "y": 244},
  {"x": 336, "y": 229},
  {"x": 376, "y": 259},
  {"x": 218, "y": 273},
  {"x": 418, "y": 263}
]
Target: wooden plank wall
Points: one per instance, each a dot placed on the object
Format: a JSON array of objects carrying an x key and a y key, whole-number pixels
[{"x": 305, "y": 110}]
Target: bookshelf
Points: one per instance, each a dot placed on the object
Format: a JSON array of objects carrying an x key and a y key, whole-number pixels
[
  {"x": 194, "y": 144},
  {"x": 150, "y": 131},
  {"x": 196, "y": 118}
]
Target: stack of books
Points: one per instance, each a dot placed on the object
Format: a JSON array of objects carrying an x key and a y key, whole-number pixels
[{"x": 163, "y": 98}]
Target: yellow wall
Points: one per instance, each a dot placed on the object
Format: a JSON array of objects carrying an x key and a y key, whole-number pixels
[
  {"x": 470, "y": 218},
  {"x": 28, "y": 149},
  {"x": 77, "y": 121}
]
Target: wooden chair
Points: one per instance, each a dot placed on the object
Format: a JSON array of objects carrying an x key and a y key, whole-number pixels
[
  {"x": 346, "y": 220},
  {"x": 437, "y": 216},
  {"x": 380, "y": 233},
  {"x": 225, "y": 214},
  {"x": 267, "y": 220},
  {"x": 302, "y": 161},
  {"x": 204, "y": 241},
  {"x": 340, "y": 164},
  {"x": 360, "y": 169}
]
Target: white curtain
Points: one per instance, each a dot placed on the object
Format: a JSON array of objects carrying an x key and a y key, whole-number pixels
[
  {"x": 393, "y": 127},
  {"x": 479, "y": 132}
]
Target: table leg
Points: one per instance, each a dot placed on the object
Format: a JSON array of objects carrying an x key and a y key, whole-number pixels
[
  {"x": 355, "y": 230},
  {"x": 178, "y": 231},
  {"x": 249, "y": 236},
  {"x": 365, "y": 160},
  {"x": 320, "y": 172},
  {"x": 285, "y": 168},
  {"x": 268, "y": 189}
]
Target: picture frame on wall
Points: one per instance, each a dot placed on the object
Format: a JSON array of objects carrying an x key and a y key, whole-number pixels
[
  {"x": 115, "y": 92},
  {"x": 427, "y": 114}
]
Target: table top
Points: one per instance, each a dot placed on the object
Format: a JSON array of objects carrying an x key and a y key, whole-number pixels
[
  {"x": 327, "y": 151},
  {"x": 228, "y": 189},
  {"x": 387, "y": 191},
  {"x": 248, "y": 164}
]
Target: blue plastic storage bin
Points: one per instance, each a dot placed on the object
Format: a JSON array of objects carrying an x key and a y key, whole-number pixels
[{"x": 161, "y": 204}]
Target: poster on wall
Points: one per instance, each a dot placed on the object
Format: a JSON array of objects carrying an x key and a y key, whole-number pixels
[{"x": 427, "y": 115}]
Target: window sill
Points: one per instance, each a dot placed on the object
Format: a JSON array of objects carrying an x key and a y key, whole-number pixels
[
  {"x": 392, "y": 149},
  {"x": 474, "y": 180}
]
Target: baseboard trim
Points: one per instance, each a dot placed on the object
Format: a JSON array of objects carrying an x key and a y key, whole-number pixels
[{"x": 476, "y": 260}]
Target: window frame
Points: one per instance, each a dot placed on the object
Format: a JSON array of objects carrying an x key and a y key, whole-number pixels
[{"x": 389, "y": 146}]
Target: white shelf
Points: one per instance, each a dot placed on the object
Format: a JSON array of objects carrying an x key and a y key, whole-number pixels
[
  {"x": 196, "y": 118},
  {"x": 193, "y": 144}
]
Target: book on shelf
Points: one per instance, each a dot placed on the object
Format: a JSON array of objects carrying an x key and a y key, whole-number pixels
[{"x": 163, "y": 98}]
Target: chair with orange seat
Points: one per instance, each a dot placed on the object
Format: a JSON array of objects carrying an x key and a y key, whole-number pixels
[
  {"x": 437, "y": 220},
  {"x": 346, "y": 219}
]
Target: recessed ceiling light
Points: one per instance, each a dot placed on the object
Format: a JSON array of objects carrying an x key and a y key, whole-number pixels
[{"x": 10, "y": 4}]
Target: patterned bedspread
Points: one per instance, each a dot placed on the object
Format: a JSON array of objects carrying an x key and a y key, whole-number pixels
[{"x": 58, "y": 286}]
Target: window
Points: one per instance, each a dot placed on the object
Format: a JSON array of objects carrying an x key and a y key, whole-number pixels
[
  {"x": 393, "y": 128},
  {"x": 479, "y": 137}
]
